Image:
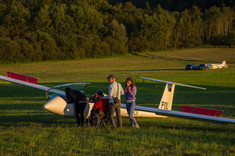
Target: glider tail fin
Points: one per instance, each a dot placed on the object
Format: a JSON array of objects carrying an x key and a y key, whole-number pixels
[
  {"x": 168, "y": 94},
  {"x": 223, "y": 63},
  {"x": 167, "y": 97}
]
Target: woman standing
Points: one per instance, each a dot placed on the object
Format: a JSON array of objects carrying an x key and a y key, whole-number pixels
[{"x": 130, "y": 92}]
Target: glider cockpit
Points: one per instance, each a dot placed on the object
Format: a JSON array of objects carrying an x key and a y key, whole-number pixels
[{"x": 77, "y": 86}]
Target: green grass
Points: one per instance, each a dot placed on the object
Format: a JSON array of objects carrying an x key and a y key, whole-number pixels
[{"x": 27, "y": 129}]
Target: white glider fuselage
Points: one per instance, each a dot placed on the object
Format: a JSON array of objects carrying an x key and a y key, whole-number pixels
[{"x": 59, "y": 106}]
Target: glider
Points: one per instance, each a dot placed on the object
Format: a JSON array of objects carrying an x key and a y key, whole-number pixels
[
  {"x": 58, "y": 105},
  {"x": 218, "y": 66}
]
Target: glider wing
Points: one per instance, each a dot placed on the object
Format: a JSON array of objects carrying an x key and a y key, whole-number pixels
[
  {"x": 56, "y": 91},
  {"x": 184, "y": 115}
]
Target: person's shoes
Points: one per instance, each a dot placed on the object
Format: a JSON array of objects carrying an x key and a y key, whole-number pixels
[
  {"x": 132, "y": 126},
  {"x": 137, "y": 126}
]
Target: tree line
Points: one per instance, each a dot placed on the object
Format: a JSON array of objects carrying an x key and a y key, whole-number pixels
[
  {"x": 76, "y": 29},
  {"x": 177, "y": 5}
]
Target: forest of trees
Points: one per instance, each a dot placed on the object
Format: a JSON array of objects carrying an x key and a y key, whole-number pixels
[{"x": 38, "y": 30}]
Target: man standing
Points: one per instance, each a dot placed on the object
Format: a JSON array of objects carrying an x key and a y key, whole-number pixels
[
  {"x": 115, "y": 92},
  {"x": 79, "y": 100}
]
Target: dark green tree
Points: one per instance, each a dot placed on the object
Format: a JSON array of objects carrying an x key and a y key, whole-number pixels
[
  {"x": 117, "y": 38},
  {"x": 42, "y": 20},
  {"x": 10, "y": 51},
  {"x": 49, "y": 48},
  {"x": 16, "y": 19},
  {"x": 212, "y": 22},
  {"x": 61, "y": 22}
]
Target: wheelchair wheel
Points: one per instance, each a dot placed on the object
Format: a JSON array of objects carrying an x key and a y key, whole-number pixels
[
  {"x": 98, "y": 120},
  {"x": 94, "y": 121}
]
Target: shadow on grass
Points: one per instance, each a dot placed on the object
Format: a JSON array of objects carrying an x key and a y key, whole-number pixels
[
  {"x": 145, "y": 123},
  {"x": 24, "y": 120}
]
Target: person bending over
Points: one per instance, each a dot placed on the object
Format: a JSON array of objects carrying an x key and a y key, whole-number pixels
[{"x": 80, "y": 102}]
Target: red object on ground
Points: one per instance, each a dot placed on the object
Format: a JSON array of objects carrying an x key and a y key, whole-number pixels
[
  {"x": 203, "y": 111},
  {"x": 102, "y": 105},
  {"x": 22, "y": 77}
]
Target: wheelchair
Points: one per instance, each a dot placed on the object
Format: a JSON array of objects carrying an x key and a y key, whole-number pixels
[{"x": 97, "y": 118}]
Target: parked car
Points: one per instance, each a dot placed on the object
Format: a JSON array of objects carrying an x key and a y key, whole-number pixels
[
  {"x": 203, "y": 67},
  {"x": 191, "y": 67},
  {"x": 200, "y": 67}
]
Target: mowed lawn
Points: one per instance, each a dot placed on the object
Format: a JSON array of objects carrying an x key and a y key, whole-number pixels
[{"x": 27, "y": 129}]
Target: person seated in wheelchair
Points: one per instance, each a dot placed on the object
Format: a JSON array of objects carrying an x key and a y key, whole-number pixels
[{"x": 100, "y": 108}]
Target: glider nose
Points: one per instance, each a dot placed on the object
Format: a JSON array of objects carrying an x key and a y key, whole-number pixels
[{"x": 56, "y": 105}]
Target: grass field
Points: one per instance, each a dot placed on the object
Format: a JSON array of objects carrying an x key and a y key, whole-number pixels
[{"x": 27, "y": 129}]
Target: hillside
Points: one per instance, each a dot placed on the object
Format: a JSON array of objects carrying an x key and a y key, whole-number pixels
[{"x": 33, "y": 31}]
